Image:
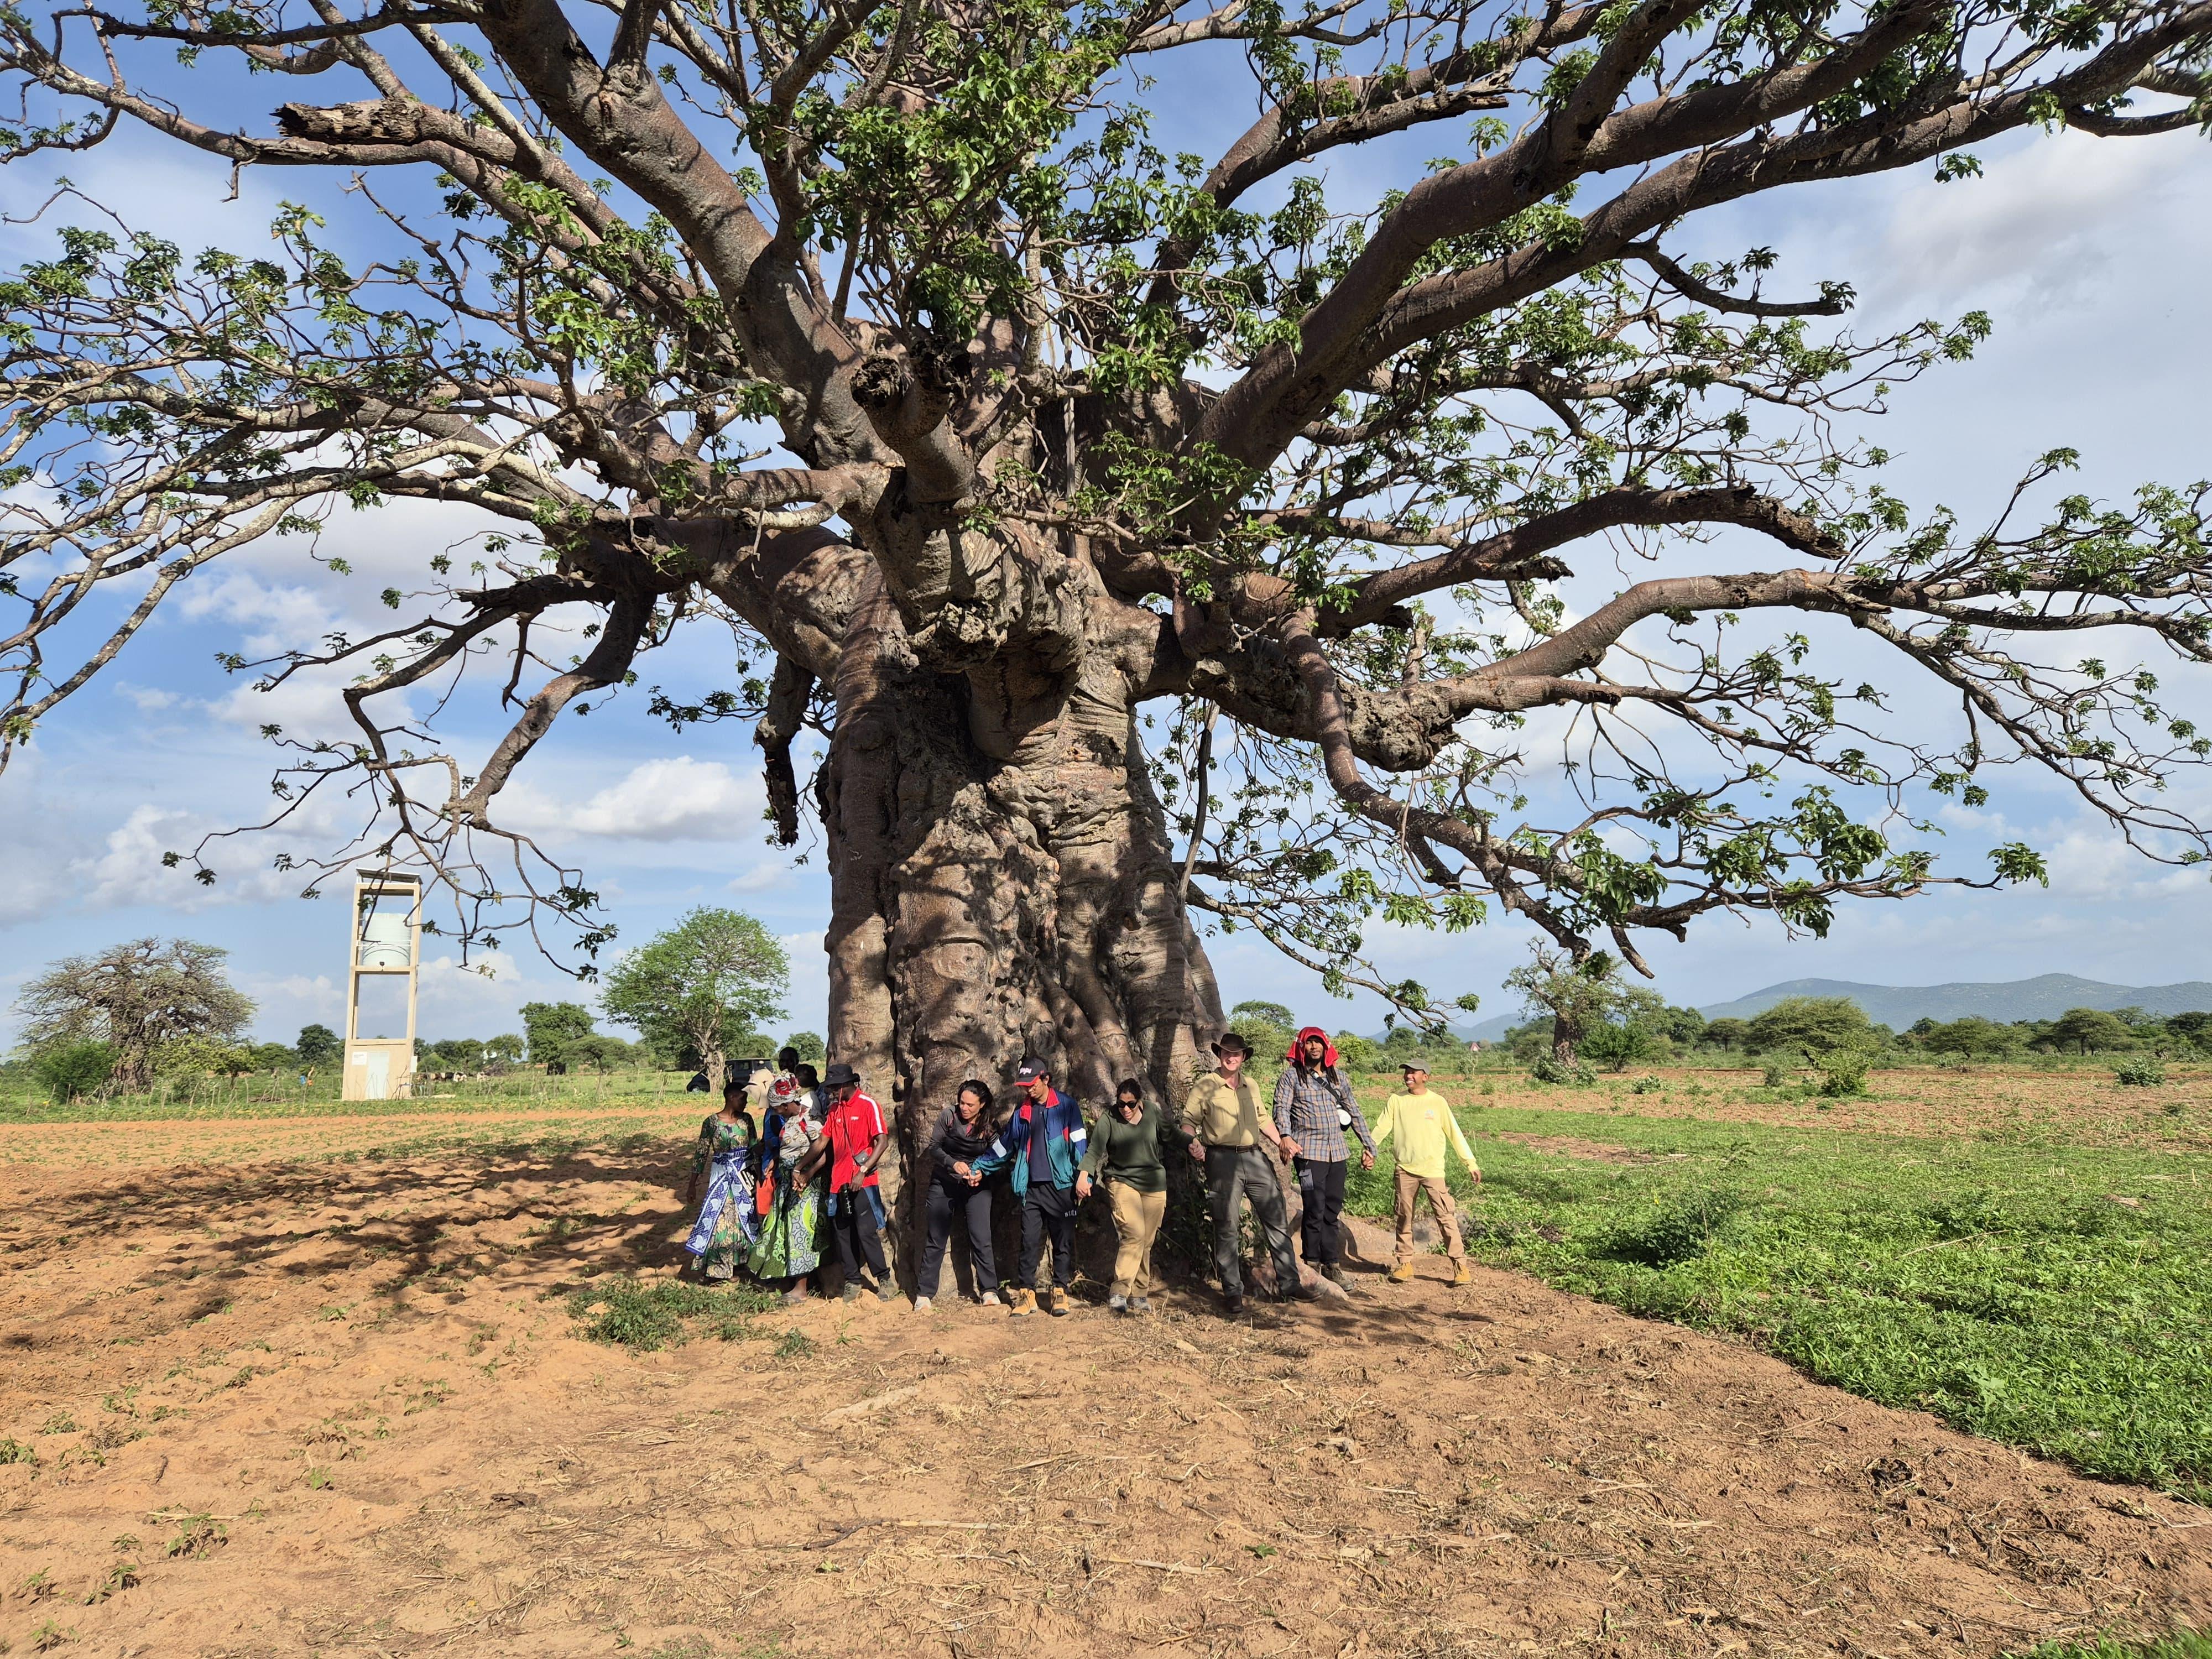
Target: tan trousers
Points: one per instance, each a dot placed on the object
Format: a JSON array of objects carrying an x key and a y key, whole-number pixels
[
  {"x": 1440, "y": 1205},
  {"x": 1137, "y": 1219}
]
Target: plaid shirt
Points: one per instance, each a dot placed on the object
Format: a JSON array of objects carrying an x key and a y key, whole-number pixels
[{"x": 1306, "y": 1107}]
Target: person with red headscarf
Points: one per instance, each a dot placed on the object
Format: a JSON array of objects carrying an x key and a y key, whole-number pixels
[{"x": 1314, "y": 1106}]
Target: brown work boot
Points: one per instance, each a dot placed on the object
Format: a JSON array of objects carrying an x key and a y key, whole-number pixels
[
  {"x": 1401, "y": 1272},
  {"x": 1022, "y": 1302},
  {"x": 1056, "y": 1302},
  {"x": 1462, "y": 1275}
]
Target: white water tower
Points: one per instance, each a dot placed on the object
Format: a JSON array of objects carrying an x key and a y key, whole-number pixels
[{"x": 384, "y": 951}]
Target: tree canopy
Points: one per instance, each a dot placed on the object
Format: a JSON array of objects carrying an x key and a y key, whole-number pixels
[
  {"x": 716, "y": 976},
  {"x": 551, "y": 1030},
  {"x": 139, "y": 999},
  {"x": 1813, "y": 1026},
  {"x": 908, "y": 345},
  {"x": 318, "y": 1045},
  {"x": 2091, "y": 1028}
]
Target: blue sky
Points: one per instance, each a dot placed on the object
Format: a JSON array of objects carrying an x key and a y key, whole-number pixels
[{"x": 2089, "y": 254}]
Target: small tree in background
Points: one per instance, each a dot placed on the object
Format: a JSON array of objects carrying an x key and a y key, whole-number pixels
[
  {"x": 506, "y": 1050},
  {"x": 138, "y": 998},
  {"x": 1972, "y": 1038},
  {"x": 601, "y": 1051},
  {"x": 552, "y": 1029},
  {"x": 318, "y": 1045},
  {"x": 1812, "y": 1026},
  {"x": 713, "y": 971},
  {"x": 810, "y": 1046},
  {"x": 1725, "y": 1033},
  {"x": 1267, "y": 1026},
  {"x": 1576, "y": 994},
  {"x": 2091, "y": 1030}
]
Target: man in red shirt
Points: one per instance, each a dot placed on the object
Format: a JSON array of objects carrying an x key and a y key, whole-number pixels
[{"x": 858, "y": 1140}]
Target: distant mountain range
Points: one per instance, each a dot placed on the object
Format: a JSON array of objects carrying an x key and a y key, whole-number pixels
[{"x": 2044, "y": 997}]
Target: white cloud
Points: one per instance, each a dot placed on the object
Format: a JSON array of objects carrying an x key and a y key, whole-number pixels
[
  {"x": 763, "y": 878},
  {"x": 677, "y": 798},
  {"x": 2052, "y": 222}
]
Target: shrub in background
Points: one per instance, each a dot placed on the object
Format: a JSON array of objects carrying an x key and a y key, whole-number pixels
[{"x": 72, "y": 1069}]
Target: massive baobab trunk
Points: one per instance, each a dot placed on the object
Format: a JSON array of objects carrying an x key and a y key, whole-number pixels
[{"x": 1001, "y": 878}]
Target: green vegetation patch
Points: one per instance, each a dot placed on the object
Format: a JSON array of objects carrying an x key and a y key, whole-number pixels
[
  {"x": 2051, "y": 1296},
  {"x": 660, "y": 1313},
  {"x": 2181, "y": 1644}
]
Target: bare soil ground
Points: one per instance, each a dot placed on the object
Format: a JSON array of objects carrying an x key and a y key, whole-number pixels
[{"x": 322, "y": 1407}]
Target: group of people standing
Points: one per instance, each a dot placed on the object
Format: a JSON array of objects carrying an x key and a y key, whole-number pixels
[
  {"x": 790, "y": 1157},
  {"x": 808, "y": 1165}
]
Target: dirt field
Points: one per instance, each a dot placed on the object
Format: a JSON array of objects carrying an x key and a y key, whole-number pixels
[{"x": 330, "y": 1406}]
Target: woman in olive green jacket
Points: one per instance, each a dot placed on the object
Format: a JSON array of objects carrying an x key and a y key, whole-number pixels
[{"x": 1125, "y": 1152}]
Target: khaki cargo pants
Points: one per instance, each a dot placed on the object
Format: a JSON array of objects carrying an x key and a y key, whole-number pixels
[
  {"x": 1137, "y": 1219},
  {"x": 1410, "y": 1186}
]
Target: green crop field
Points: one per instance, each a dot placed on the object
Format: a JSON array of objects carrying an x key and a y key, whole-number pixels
[{"x": 2019, "y": 1285}]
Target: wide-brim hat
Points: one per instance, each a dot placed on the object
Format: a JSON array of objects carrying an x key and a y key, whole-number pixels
[
  {"x": 1231, "y": 1040},
  {"x": 839, "y": 1075}
]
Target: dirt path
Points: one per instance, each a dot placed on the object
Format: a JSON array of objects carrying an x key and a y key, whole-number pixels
[{"x": 338, "y": 1409}]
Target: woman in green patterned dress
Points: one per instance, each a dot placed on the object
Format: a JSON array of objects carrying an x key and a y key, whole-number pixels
[{"x": 794, "y": 1151}]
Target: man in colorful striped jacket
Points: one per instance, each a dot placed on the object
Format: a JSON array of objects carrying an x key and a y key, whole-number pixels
[{"x": 1042, "y": 1143}]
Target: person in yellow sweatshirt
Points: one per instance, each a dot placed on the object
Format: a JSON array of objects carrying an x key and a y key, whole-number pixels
[{"x": 1422, "y": 1124}]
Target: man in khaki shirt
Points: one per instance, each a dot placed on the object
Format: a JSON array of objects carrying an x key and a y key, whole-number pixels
[{"x": 1233, "y": 1134}]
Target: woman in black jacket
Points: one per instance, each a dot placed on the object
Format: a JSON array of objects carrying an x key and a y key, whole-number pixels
[{"x": 963, "y": 1134}]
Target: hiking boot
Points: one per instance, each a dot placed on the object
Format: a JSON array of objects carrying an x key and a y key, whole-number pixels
[
  {"x": 1401, "y": 1272},
  {"x": 1117, "y": 1302},
  {"x": 851, "y": 1293},
  {"x": 887, "y": 1292},
  {"x": 921, "y": 1304},
  {"x": 1023, "y": 1301},
  {"x": 1232, "y": 1303},
  {"x": 1143, "y": 1304},
  {"x": 990, "y": 1299},
  {"x": 1055, "y": 1303},
  {"x": 1336, "y": 1274},
  {"x": 1462, "y": 1275}
]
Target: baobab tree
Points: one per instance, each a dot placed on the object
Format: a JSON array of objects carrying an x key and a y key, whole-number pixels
[{"x": 1137, "y": 551}]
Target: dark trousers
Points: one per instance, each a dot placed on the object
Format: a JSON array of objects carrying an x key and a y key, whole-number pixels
[
  {"x": 1044, "y": 1207},
  {"x": 946, "y": 1200},
  {"x": 860, "y": 1234},
  {"x": 1233, "y": 1172},
  {"x": 1320, "y": 1203}
]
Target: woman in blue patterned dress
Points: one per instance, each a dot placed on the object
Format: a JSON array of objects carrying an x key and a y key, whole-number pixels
[{"x": 728, "y": 1224}]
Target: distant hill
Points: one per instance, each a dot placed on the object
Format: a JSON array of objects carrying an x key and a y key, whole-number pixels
[{"x": 2044, "y": 997}]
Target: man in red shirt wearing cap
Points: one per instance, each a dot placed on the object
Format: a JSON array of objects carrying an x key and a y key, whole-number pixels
[{"x": 857, "y": 1139}]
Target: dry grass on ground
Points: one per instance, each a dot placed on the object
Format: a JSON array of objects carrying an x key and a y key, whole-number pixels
[{"x": 285, "y": 1408}]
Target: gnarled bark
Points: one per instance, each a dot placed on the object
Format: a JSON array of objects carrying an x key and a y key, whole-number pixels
[{"x": 1001, "y": 881}]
